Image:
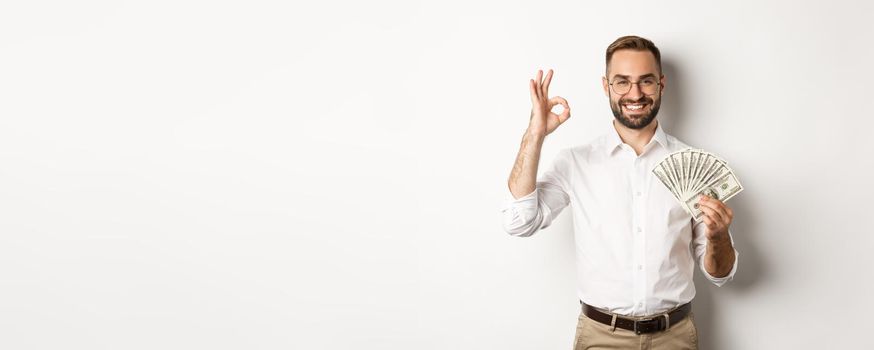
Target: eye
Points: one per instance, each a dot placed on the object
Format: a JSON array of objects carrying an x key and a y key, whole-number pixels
[
  {"x": 621, "y": 83},
  {"x": 648, "y": 82}
]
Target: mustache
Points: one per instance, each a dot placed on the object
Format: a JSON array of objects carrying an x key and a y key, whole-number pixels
[{"x": 640, "y": 100}]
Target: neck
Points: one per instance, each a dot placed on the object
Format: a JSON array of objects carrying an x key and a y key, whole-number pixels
[{"x": 636, "y": 138}]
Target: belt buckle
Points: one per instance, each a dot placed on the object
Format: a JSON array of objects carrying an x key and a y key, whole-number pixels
[{"x": 637, "y": 330}]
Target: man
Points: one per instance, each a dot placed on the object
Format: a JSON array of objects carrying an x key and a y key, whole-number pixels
[{"x": 636, "y": 248}]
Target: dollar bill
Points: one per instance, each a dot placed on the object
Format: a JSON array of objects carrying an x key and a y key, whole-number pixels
[
  {"x": 660, "y": 174},
  {"x": 686, "y": 157}
]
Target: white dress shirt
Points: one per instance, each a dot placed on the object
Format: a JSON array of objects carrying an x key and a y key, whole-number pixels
[{"x": 636, "y": 248}]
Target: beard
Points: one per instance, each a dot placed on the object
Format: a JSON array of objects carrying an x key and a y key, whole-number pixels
[{"x": 640, "y": 121}]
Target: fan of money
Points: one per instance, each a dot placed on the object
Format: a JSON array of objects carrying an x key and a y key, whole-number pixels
[{"x": 690, "y": 173}]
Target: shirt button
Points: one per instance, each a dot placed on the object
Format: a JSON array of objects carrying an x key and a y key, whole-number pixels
[
  {"x": 638, "y": 229},
  {"x": 640, "y": 267},
  {"x": 638, "y": 193},
  {"x": 640, "y": 304}
]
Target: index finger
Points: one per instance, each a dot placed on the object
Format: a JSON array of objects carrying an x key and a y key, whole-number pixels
[{"x": 533, "y": 88}]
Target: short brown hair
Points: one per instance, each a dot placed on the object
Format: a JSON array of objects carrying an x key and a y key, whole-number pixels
[{"x": 632, "y": 42}]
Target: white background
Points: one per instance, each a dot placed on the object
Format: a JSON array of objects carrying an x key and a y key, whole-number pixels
[{"x": 328, "y": 175}]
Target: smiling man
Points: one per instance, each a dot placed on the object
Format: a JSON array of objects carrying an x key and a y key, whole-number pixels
[{"x": 636, "y": 247}]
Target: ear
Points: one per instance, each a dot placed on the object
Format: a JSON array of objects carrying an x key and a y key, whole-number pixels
[
  {"x": 663, "y": 80},
  {"x": 605, "y": 86}
]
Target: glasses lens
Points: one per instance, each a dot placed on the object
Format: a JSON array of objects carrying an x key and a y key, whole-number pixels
[
  {"x": 648, "y": 86},
  {"x": 621, "y": 86}
]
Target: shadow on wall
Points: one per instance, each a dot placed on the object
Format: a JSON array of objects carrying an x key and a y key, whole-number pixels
[{"x": 751, "y": 266}]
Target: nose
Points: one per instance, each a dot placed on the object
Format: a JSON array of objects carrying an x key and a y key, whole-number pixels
[{"x": 635, "y": 93}]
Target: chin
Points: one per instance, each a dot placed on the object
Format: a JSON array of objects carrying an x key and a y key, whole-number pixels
[{"x": 639, "y": 122}]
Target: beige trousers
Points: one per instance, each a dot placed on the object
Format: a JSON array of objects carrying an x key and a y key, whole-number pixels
[{"x": 592, "y": 334}]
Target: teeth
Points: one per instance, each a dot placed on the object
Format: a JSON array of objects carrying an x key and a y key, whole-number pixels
[{"x": 634, "y": 107}]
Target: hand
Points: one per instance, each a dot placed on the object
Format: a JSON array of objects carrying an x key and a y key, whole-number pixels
[
  {"x": 543, "y": 121},
  {"x": 717, "y": 217}
]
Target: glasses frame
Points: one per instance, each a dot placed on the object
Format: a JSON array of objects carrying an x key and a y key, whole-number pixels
[{"x": 659, "y": 84}]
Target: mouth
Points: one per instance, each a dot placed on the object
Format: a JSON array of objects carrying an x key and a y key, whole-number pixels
[{"x": 634, "y": 107}]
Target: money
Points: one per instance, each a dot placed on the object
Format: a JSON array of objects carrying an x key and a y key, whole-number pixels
[{"x": 692, "y": 173}]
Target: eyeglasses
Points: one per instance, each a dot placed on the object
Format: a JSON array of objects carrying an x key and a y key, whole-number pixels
[{"x": 649, "y": 85}]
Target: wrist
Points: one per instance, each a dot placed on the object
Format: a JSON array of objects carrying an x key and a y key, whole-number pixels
[
  {"x": 535, "y": 134},
  {"x": 719, "y": 239}
]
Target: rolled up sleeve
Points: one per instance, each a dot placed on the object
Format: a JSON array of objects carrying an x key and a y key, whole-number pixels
[{"x": 524, "y": 216}]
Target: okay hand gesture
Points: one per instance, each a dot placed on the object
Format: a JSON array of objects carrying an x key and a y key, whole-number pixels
[{"x": 543, "y": 120}]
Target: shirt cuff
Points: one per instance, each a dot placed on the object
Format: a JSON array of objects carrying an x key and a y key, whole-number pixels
[{"x": 530, "y": 198}]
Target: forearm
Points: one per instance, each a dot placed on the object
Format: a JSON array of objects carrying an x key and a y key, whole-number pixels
[
  {"x": 523, "y": 178},
  {"x": 719, "y": 257}
]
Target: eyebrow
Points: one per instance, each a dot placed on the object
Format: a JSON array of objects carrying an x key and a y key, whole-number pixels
[{"x": 650, "y": 75}]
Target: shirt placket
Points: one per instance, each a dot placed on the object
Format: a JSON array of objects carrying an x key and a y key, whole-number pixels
[{"x": 638, "y": 196}]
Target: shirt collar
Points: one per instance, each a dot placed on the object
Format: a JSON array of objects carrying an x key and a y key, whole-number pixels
[{"x": 613, "y": 140}]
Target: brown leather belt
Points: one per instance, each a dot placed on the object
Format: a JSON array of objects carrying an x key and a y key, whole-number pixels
[{"x": 654, "y": 324}]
